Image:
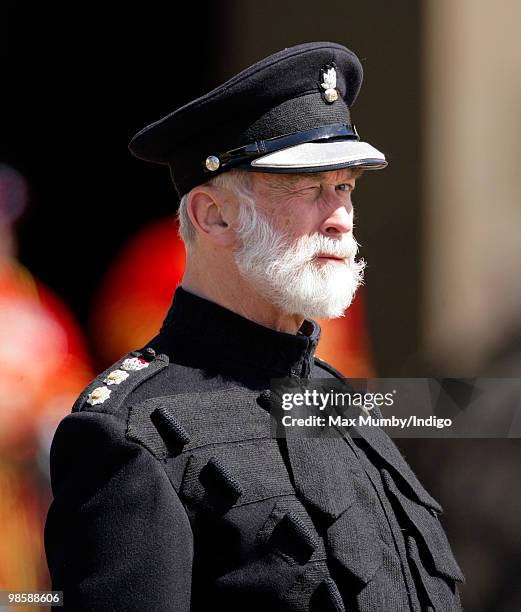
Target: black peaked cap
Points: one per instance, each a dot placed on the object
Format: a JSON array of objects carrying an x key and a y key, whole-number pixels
[{"x": 281, "y": 97}]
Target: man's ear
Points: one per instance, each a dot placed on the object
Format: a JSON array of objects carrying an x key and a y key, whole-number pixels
[{"x": 210, "y": 215}]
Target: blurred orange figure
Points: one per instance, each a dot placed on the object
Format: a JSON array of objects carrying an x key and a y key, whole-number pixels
[{"x": 43, "y": 367}]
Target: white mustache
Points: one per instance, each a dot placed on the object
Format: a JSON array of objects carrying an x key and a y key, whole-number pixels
[{"x": 311, "y": 246}]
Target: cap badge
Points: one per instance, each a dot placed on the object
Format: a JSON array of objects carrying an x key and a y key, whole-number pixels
[
  {"x": 98, "y": 396},
  {"x": 329, "y": 83}
]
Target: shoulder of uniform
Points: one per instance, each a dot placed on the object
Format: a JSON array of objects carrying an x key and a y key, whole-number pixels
[
  {"x": 323, "y": 365},
  {"x": 171, "y": 424},
  {"x": 108, "y": 391}
]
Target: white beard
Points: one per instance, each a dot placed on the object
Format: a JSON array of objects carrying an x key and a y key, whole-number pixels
[{"x": 285, "y": 273}]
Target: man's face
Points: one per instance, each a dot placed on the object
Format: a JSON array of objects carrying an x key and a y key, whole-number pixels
[
  {"x": 305, "y": 204},
  {"x": 296, "y": 241}
]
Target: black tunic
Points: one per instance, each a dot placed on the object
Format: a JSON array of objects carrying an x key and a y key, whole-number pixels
[{"x": 171, "y": 494}]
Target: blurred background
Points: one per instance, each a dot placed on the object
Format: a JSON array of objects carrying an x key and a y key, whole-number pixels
[{"x": 89, "y": 256}]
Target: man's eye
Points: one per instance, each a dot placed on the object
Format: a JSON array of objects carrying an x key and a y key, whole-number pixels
[{"x": 344, "y": 187}]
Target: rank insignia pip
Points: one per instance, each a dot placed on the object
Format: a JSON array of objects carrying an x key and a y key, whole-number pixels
[
  {"x": 116, "y": 377},
  {"x": 133, "y": 364},
  {"x": 98, "y": 396}
]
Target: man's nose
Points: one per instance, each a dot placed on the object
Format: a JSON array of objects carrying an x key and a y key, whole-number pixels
[{"x": 339, "y": 222}]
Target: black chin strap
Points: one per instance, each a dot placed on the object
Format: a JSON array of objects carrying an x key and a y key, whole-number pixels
[{"x": 255, "y": 149}]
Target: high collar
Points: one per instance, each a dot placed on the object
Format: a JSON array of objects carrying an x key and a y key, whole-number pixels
[{"x": 202, "y": 334}]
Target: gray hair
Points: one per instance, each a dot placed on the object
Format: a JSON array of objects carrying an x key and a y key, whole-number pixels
[{"x": 238, "y": 181}]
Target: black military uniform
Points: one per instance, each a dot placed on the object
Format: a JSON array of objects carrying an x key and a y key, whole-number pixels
[{"x": 170, "y": 492}]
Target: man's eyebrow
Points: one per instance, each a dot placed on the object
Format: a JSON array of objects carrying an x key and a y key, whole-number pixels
[{"x": 319, "y": 176}]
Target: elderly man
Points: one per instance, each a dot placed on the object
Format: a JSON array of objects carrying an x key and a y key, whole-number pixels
[{"x": 170, "y": 493}]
